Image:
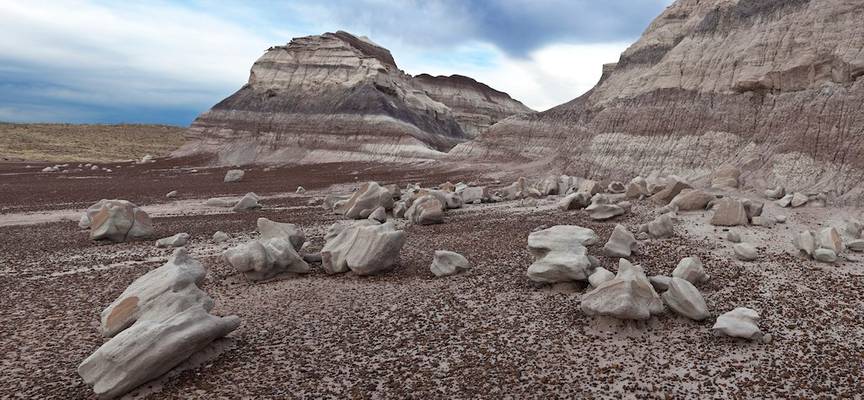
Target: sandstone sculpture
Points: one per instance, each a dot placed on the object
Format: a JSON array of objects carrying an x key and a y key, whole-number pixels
[{"x": 628, "y": 296}]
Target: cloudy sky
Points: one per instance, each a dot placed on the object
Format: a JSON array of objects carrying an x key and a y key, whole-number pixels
[{"x": 158, "y": 61}]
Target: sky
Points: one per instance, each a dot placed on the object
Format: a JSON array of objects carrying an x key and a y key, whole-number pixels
[{"x": 160, "y": 61}]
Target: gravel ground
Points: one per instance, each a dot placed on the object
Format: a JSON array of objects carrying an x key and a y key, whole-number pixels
[{"x": 487, "y": 333}]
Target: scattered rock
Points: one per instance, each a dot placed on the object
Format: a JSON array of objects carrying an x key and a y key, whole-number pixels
[
  {"x": 234, "y": 175},
  {"x": 399, "y": 209},
  {"x": 560, "y": 254},
  {"x": 853, "y": 229},
  {"x": 517, "y": 190},
  {"x": 780, "y": 219},
  {"x": 268, "y": 229},
  {"x": 220, "y": 202},
  {"x": 379, "y": 215},
  {"x": 691, "y": 269},
  {"x": 118, "y": 221},
  {"x": 856, "y": 245},
  {"x": 636, "y": 188},
  {"x": 363, "y": 248},
  {"x": 692, "y": 200},
  {"x": 172, "y": 194},
  {"x": 473, "y": 195},
  {"x": 178, "y": 240},
  {"x": 726, "y": 176},
  {"x": 660, "y": 227},
  {"x": 616, "y": 187},
  {"x": 733, "y": 237},
  {"x": 752, "y": 208},
  {"x": 829, "y": 238},
  {"x": 220, "y": 237},
  {"x": 740, "y": 322},
  {"x": 599, "y": 276},
  {"x": 575, "y": 201},
  {"x": 628, "y": 296},
  {"x": 805, "y": 242},
  {"x": 590, "y": 187},
  {"x": 776, "y": 193},
  {"x": 763, "y": 221},
  {"x": 426, "y": 210},
  {"x": 621, "y": 243},
  {"x": 784, "y": 202},
  {"x": 745, "y": 252},
  {"x": 729, "y": 212},
  {"x": 683, "y": 298},
  {"x": 260, "y": 260},
  {"x": 300, "y": 190},
  {"x": 669, "y": 192},
  {"x": 600, "y": 212},
  {"x": 798, "y": 200},
  {"x": 247, "y": 202},
  {"x": 447, "y": 187},
  {"x": 825, "y": 255},
  {"x": 660, "y": 282},
  {"x": 364, "y": 201},
  {"x": 446, "y": 263}
]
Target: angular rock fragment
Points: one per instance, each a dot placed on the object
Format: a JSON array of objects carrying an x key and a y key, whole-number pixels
[
  {"x": 517, "y": 190},
  {"x": 172, "y": 194},
  {"x": 178, "y": 240},
  {"x": 829, "y": 238},
  {"x": 265, "y": 259},
  {"x": 628, "y": 296},
  {"x": 775, "y": 193},
  {"x": 220, "y": 202},
  {"x": 574, "y": 201},
  {"x": 692, "y": 270},
  {"x": 741, "y": 323},
  {"x": 621, "y": 243},
  {"x": 399, "y": 209},
  {"x": 601, "y": 210},
  {"x": 590, "y": 187},
  {"x": 363, "y": 248},
  {"x": 300, "y": 190},
  {"x": 668, "y": 193},
  {"x": 446, "y": 263},
  {"x": 726, "y": 176},
  {"x": 798, "y": 200},
  {"x": 472, "y": 195},
  {"x": 234, "y": 175},
  {"x": 247, "y": 202},
  {"x": 660, "y": 227},
  {"x": 692, "y": 200},
  {"x": 660, "y": 282},
  {"x": 616, "y": 187},
  {"x": 683, "y": 298},
  {"x": 220, "y": 237},
  {"x": 636, "y": 188},
  {"x": 805, "y": 242}
]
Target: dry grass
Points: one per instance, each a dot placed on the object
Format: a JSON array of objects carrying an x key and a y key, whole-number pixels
[{"x": 99, "y": 143}]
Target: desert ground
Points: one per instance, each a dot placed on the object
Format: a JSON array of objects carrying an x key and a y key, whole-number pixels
[{"x": 486, "y": 333}]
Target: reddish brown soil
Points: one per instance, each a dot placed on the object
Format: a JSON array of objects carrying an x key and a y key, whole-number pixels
[{"x": 488, "y": 333}]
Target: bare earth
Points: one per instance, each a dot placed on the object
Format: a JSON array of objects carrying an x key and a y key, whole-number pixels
[
  {"x": 488, "y": 333},
  {"x": 86, "y": 143}
]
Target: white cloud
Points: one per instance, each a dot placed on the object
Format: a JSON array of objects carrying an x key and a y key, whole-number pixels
[{"x": 550, "y": 76}]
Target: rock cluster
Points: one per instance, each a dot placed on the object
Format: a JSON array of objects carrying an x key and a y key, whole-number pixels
[{"x": 158, "y": 322}]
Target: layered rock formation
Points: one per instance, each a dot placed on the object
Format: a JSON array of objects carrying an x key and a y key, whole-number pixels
[
  {"x": 337, "y": 97},
  {"x": 771, "y": 86}
]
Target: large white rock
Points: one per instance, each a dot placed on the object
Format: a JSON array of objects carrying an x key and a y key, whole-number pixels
[
  {"x": 268, "y": 229},
  {"x": 119, "y": 221},
  {"x": 560, "y": 254},
  {"x": 446, "y": 263},
  {"x": 691, "y": 269},
  {"x": 365, "y": 200},
  {"x": 426, "y": 210},
  {"x": 729, "y": 212},
  {"x": 265, "y": 259},
  {"x": 151, "y": 348},
  {"x": 599, "y": 276},
  {"x": 741, "y": 323},
  {"x": 621, "y": 243},
  {"x": 628, "y": 296},
  {"x": 234, "y": 175},
  {"x": 181, "y": 275},
  {"x": 683, "y": 298},
  {"x": 178, "y": 240},
  {"x": 364, "y": 248}
]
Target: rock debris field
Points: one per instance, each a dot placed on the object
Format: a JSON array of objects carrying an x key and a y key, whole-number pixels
[{"x": 489, "y": 318}]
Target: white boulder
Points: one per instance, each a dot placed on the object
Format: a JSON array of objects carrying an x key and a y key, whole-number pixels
[
  {"x": 178, "y": 240},
  {"x": 628, "y": 296},
  {"x": 691, "y": 269},
  {"x": 741, "y": 323},
  {"x": 446, "y": 263},
  {"x": 234, "y": 175},
  {"x": 683, "y": 298},
  {"x": 365, "y": 200},
  {"x": 621, "y": 243},
  {"x": 364, "y": 248},
  {"x": 118, "y": 221}
]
